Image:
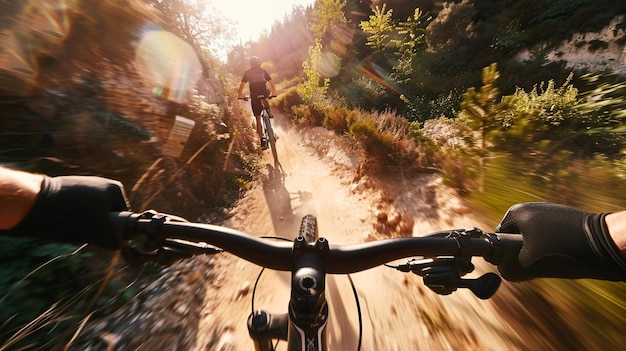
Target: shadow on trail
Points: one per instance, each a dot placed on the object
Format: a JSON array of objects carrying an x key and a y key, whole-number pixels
[
  {"x": 342, "y": 334},
  {"x": 285, "y": 217}
]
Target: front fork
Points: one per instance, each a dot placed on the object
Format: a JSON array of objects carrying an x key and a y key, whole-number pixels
[{"x": 264, "y": 328}]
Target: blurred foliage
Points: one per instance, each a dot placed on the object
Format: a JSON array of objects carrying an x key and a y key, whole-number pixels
[
  {"x": 377, "y": 144},
  {"x": 339, "y": 119},
  {"x": 285, "y": 101},
  {"x": 314, "y": 88},
  {"x": 87, "y": 112},
  {"x": 326, "y": 15},
  {"x": 453, "y": 25},
  {"x": 484, "y": 109},
  {"x": 42, "y": 292}
]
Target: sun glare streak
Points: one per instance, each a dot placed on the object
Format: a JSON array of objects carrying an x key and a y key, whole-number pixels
[
  {"x": 168, "y": 65},
  {"x": 252, "y": 18},
  {"x": 377, "y": 74}
]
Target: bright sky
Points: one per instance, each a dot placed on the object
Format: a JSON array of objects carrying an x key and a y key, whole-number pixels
[{"x": 252, "y": 17}]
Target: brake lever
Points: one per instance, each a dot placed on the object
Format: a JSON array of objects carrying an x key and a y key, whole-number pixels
[
  {"x": 135, "y": 256},
  {"x": 443, "y": 274},
  {"x": 172, "y": 251},
  {"x": 153, "y": 246},
  {"x": 445, "y": 280}
]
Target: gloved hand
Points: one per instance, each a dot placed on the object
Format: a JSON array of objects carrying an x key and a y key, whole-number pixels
[
  {"x": 75, "y": 209},
  {"x": 560, "y": 242}
]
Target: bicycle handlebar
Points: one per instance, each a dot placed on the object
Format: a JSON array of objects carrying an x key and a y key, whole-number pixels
[
  {"x": 161, "y": 230},
  {"x": 260, "y": 97}
]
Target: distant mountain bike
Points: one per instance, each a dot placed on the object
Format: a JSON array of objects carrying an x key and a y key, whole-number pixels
[{"x": 268, "y": 132}]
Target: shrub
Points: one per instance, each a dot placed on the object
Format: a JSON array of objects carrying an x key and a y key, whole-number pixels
[
  {"x": 286, "y": 101},
  {"x": 338, "y": 119},
  {"x": 307, "y": 114},
  {"x": 391, "y": 141},
  {"x": 460, "y": 169},
  {"x": 42, "y": 291},
  {"x": 378, "y": 144}
]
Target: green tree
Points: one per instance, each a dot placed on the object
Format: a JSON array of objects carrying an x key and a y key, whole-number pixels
[
  {"x": 315, "y": 86},
  {"x": 453, "y": 23},
  {"x": 396, "y": 47},
  {"x": 379, "y": 28},
  {"x": 412, "y": 34},
  {"x": 483, "y": 109},
  {"x": 326, "y": 15}
]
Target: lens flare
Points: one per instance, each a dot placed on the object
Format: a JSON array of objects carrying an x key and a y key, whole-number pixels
[
  {"x": 328, "y": 65},
  {"x": 168, "y": 65}
]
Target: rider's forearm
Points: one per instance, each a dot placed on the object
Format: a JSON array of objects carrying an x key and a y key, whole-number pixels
[
  {"x": 18, "y": 191},
  {"x": 240, "y": 91},
  {"x": 272, "y": 88},
  {"x": 616, "y": 222}
]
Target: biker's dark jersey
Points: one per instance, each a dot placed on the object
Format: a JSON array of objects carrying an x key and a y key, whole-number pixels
[{"x": 256, "y": 77}]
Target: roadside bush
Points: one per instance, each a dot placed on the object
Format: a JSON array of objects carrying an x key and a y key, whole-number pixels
[
  {"x": 286, "y": 101},
  {"x": 338, "y": 119},
  {"x": 308, "y": 114},
  {"x": 364, "y": 93},
  {"x": 450, "y": 141},
  {"x": 391, "y": 142},
  {"x": 42, "y": 292},
  {"x": 460, "y": 169},
  {"x": 380, "y": 145}
]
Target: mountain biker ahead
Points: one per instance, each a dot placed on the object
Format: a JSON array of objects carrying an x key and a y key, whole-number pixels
[{"x": 258, "y": 80}]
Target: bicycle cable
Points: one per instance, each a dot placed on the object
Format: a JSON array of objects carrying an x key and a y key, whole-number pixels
[
  {"x": 258, "y": 278},
  {"x": 358, "y": 308}
]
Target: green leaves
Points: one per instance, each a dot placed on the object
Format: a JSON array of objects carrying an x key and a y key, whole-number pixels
[
  {"x": 326, "y": 14},
  {"x": 481, "y": 108},
  {"x": 35, "y": 279},
  {"x": 379, "y": 28}
]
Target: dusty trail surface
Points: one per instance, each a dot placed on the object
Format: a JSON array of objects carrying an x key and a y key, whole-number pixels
[{"x": 316, "y": 176}]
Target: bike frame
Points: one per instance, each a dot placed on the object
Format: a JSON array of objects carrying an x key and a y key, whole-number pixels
[{"x": 270, "y": 136}]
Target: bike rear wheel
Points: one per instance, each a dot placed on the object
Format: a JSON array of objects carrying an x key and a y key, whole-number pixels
[{"x": 271, "y": 137}]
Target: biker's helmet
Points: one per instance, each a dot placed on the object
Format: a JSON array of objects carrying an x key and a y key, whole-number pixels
[{"x": 255, "y": 61}]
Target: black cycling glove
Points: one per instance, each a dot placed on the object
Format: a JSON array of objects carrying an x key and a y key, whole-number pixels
[
  {"x": 560, "y": 242},
  {"x": 75, "y": 209}
]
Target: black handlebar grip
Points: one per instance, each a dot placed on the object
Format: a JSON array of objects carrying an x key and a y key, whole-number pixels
[
  {"x": 121, "y": 221},
  {"x": 506, "y": 248}
]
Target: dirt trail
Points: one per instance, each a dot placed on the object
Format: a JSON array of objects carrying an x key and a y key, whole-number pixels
[{"x": 316, "y": 176}]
